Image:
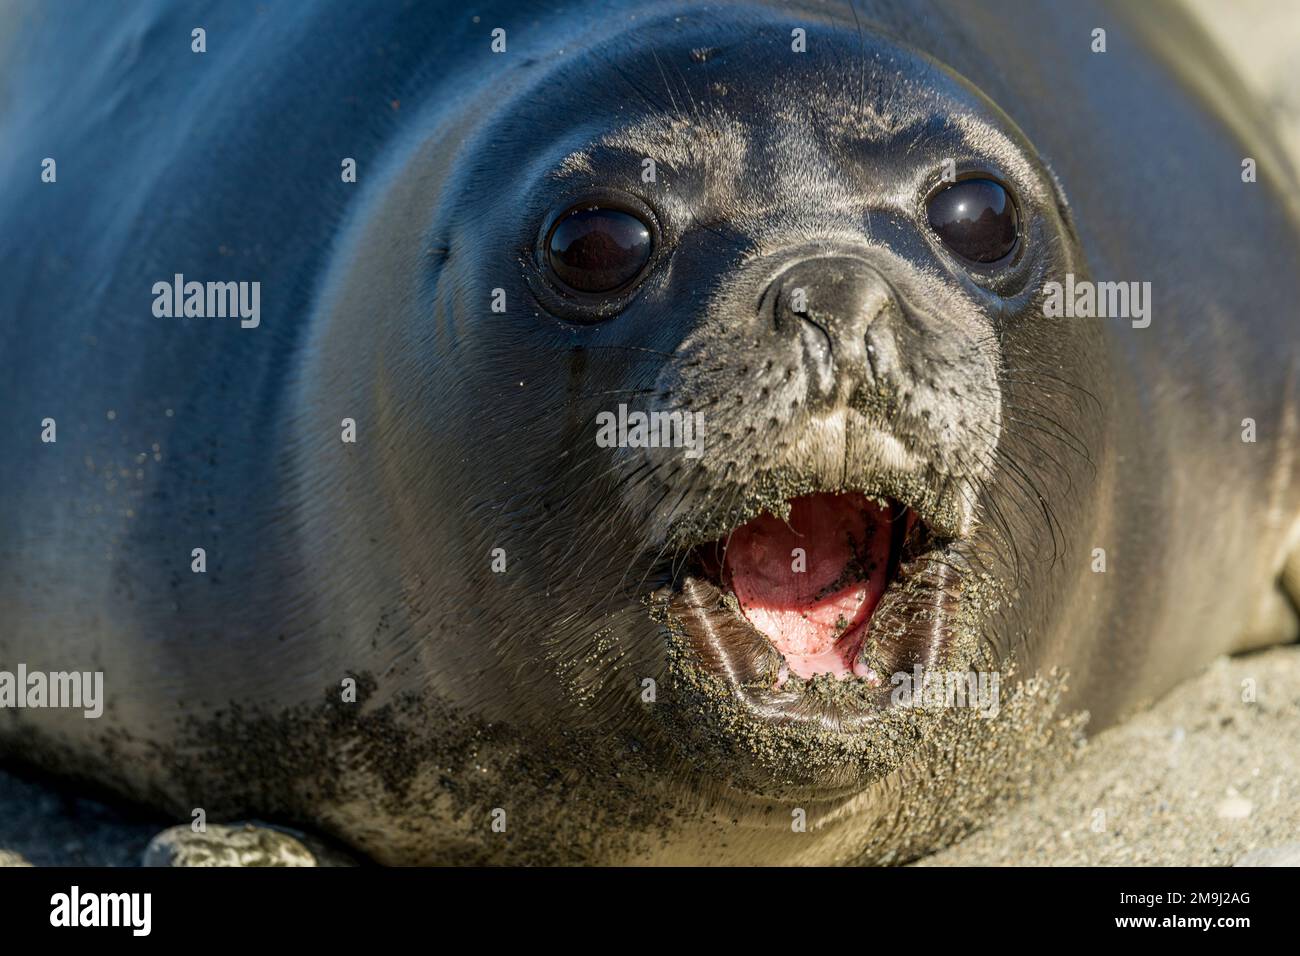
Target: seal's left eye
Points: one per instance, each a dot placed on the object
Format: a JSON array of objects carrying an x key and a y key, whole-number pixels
[
  {"x": 596, "y": 250},
  {"x": 976, "y": 219}
]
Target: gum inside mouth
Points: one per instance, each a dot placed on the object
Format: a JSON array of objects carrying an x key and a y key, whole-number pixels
[{"x": 809, "y": 583}]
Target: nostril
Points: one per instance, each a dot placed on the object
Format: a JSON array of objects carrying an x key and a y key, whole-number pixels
[{"x": 789, "y": 305}]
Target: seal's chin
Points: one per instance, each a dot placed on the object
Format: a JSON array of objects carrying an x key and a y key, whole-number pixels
[{"x": 809, "y": 582}]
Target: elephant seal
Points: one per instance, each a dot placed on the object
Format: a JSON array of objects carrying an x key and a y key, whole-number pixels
[{"x": 585, "y": 481}]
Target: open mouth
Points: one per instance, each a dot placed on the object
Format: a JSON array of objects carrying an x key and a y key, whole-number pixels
[
  {"x": 810, "y": 582},
  {"x": 843, "y": 584},
  {"x": 786, "y": 632}
]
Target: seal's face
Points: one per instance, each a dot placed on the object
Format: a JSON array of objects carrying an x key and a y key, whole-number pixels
[{"x": 814, "y": 289}]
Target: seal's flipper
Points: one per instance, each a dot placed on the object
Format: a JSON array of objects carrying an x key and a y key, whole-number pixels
[{"x": 247, "y": 844}]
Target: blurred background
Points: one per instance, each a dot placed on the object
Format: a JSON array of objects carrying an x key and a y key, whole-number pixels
[{"x": 1262, "y": 37}]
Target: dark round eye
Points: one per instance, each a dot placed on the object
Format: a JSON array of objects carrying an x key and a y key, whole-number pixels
[
  {"x": 976, "y": 219},
  {"x": 591, "y": 249}
]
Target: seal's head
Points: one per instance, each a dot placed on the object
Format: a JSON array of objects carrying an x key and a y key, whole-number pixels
[{"x": 764, "y": 414}]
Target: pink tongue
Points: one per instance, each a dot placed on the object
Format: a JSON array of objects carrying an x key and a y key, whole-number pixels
[{"x": 813, "y": 612}]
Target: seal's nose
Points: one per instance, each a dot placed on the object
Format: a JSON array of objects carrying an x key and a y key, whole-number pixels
[{"x": 830, "y": 303}]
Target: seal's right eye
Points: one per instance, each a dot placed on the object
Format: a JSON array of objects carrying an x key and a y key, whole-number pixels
[{"x": 598, "y": 250}]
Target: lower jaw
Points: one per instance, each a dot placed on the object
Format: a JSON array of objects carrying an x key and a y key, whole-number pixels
[{"x": 727, "y": 711}]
